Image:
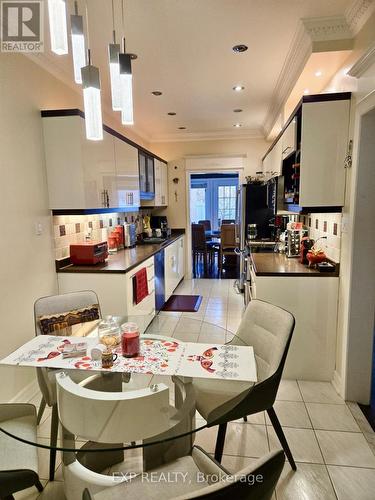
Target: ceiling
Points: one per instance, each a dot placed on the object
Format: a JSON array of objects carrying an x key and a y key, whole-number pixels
[{"x": 184, "y": 49}]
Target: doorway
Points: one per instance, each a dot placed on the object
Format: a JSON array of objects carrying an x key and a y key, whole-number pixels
[
  {"x": 360, "y": 364},
  {"x": 212, "y": 199}
]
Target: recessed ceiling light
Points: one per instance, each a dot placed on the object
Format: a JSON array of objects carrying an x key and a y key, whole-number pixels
[
  {"x": 156, "y": 92},
  {"x": 237, "y": 110},
  {"x": 181, "y": 128},
  {"x": 240, "y": 48},
  {"x": 306, "y": 91},
  {"x": 318, "y": 73},
  {"x": 238, "y": 88},
  {"x": 237, "y": 125},
  {"x": 171, "y": 113}
]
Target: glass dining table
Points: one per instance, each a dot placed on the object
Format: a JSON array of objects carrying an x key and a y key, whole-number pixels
[{"x": 165, "y": 360}]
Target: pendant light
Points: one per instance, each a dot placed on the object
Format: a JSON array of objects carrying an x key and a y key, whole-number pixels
[
  {"x": 126, "y": 82},
  {"x": 57, "y": 26},
  {"x": 91, "y": 96},
  {"x": 78, "y": 44},
  {"x": 114, "y": 68}
]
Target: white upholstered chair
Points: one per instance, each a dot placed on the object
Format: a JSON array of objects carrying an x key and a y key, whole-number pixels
[
  {"x": 51, "y": 305},
  {"x": 269, "y": 330}
]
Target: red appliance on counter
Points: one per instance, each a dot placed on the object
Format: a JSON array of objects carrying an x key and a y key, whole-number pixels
[{"x": 89, "y": 253}]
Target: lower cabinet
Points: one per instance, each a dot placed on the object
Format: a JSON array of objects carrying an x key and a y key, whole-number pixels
[
  {"x": 114, "y": 290},
  {"x": 174, "y": 266},
  {"x": 313, "y": 302}
]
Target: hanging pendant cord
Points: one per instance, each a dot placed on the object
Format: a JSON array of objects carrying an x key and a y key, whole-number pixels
[
  {"x": 123, "y": 24},
  {"x": 113, "y": 23},
  {"x": 88, "y": 33}
]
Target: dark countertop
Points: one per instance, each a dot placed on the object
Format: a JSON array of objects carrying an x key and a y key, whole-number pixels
[
  {"x": 277, "y": 264},
  {"x": 124, "y": 260}
]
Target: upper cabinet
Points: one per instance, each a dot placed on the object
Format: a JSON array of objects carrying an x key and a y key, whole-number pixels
[
  {"x": 160, "y": 198},
  {"x": 310, "y": 153},
  {"x": 86, "y": 175}
]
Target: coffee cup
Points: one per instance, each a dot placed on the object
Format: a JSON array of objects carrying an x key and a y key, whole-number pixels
[{"x": 108, "y": 358}]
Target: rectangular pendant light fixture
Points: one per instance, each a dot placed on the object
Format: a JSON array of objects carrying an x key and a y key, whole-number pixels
[
  {"x": 78, "y": 46},
  {"x": 57, "y": 26},
  {"x": 114, "y": 71},
  {"x": 92, "y": 102},
  {"x": 126, "y": 81}
]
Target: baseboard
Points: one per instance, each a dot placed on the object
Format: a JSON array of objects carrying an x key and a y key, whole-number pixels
[
  {"x": 337, "y": 384},
  {"x": 27, "y": 393}
]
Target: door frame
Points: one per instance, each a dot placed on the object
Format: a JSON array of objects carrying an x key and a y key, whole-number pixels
[
  {"x": 357, "y": 346},
  {"x": 209, "y": 164}
]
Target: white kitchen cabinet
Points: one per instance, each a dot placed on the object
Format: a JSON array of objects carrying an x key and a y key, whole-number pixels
[
  {"x": 324, "y": 139},
  {"x": 313, "y": 302},
  {"x": 161, "y": 185},
  {"x": 84, "y": 174},
  {"x": 127, "y": 175},
  {"x": 114, "y": 290},
  {"x": 289, "y": 139},
  {"x": 174, "y": 266},
  {"x": 272, "y": 163}
]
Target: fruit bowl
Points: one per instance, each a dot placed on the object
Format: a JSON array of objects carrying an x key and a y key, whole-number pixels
[{"x": 315, "y": 257}]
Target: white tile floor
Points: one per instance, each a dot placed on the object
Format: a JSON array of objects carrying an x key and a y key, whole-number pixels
[{"x": 332, "y": 443}]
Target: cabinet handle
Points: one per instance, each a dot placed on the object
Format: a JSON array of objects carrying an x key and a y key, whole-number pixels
[
  {"x": 107, "y": 195},
  {"x": 286, "y": 149}
]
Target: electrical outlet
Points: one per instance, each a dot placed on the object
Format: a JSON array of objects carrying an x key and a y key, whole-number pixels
[{"x": 38, "y": 228}]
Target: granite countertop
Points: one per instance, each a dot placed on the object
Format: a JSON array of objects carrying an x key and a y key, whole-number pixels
[
  {"x": 124, "y": 260},
  {"x": 277, "y": 264}
]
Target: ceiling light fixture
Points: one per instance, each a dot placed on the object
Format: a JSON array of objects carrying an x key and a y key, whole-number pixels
[
  {"x": 57, "y": 26},
  {"x": 318, "y": 73},
  {"x": 306, "y": 91},
  {"x": 171, "y": 113},
  {"x": 181, "y": 128},
  {"x": 126, "y": 82},
  {"x": 156, "y": 93},
  {"x": 238, "y": 88},
  {"x": 237, "y": 125},
  {"x": 237, "y": 110},
  {"x": 78, "y": 43},
  {"x": 114, "y": 68},
  {"x": 91, "y": 95},
  {"x": 240, "y": 48}
]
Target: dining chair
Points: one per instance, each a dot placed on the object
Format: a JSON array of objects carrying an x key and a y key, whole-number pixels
[
  {"x": 227, "y": 242},
  {"x": 199, "y": 246},
  {"x": 18, "y": 460},
  {"x": 206, "y": 223},
  {"x": 109, "y": 419},
  {"x": 268, "y": 329},
  {"x": 228, "y": 221},
  {"x": 257, "y": 481},
  {"x": 55, "y": 305}
]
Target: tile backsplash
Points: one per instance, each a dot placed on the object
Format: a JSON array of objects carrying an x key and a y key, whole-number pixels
[
  {"x": 72, "y": 229},
  {"x": 325, "y": 225}
]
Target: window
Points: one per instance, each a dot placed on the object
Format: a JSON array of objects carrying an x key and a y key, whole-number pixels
[
  {"x": 197, "y": 204},
  {"x": 226, "y": 202}
]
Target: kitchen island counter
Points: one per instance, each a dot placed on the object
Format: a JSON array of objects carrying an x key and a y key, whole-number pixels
[
  {"x": 124, "y": 260},
  {"x": 277, "y": 264}
]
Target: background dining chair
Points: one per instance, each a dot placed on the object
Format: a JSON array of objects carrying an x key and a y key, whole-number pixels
[
  {"x": 206, "y": 223},
  {"x": 18, "y": 461},
  {"x": 241, "y": 485},
  {"x": 199, "y": 247},
  {"x": 268, "y": 329},
  {"x": 51, "y": 305},
  {"x": 227, "y": 243},
  {"x": 109, "y": 418},
  {"x": 228, "y": 221}
]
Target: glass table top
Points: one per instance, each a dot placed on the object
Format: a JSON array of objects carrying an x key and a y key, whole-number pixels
[{"x": 150, "y": 410}]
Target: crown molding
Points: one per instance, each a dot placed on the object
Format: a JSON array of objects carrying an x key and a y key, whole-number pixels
[
  {"x": 46, "y": 62},
  {"x": 216, "y": 135},
  {"x": 358, "y": 14},
  {"x": 312, "y": 35},
  {"x": 364, "y": 62}
]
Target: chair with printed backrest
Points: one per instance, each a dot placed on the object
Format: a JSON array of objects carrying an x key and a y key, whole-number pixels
[
  {"x": 45, "y": 307},
  {"x": 268, "y": 329}
]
